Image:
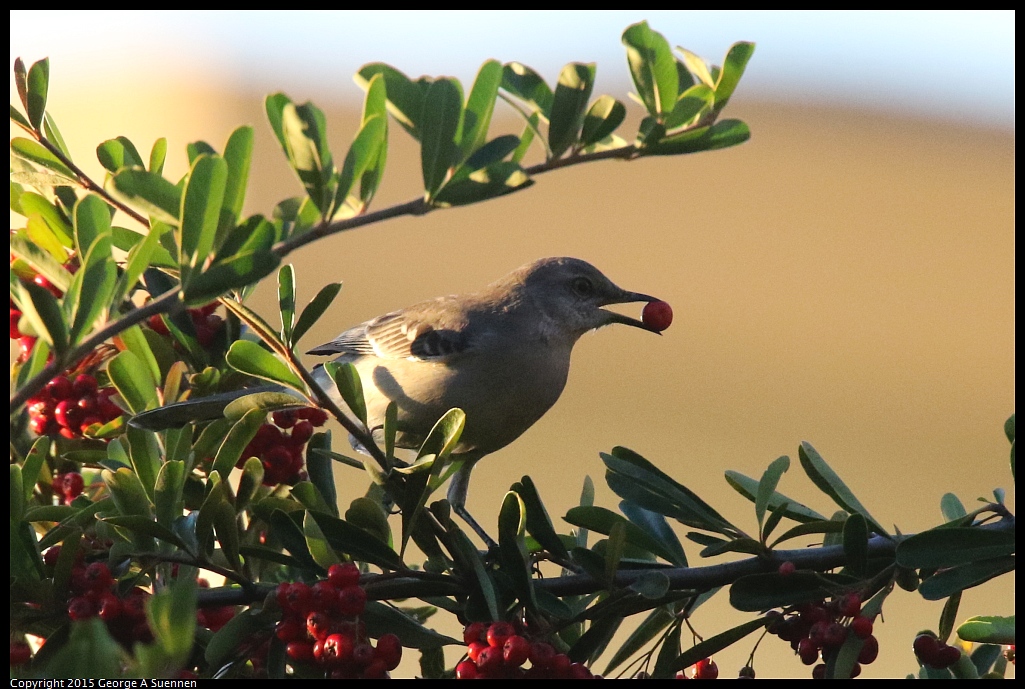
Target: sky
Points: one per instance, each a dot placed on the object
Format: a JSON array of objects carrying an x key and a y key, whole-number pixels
[{"x": 953, "y": 65}]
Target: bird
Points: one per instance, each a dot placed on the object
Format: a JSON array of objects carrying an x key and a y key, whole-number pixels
[{"x": 502, "y": 355}]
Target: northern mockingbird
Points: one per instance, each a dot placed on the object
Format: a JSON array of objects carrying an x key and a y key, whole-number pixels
[{"x": 501, "y": 355}]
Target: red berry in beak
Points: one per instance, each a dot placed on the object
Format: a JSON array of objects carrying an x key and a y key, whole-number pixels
[{"x": 657, "y": 315}]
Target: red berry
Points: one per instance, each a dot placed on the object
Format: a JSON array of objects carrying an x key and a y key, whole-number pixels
[
  {"x": 289, "y": 630},
  {"x": 808, "y": 651},
  {"x": 515, "y": 650},
  {"x": 15, "y": 318},
  {"x": 97, "y": 574},
  {"x": 21, "y": 653},
  {"x": 850, "y": 605},
  {"x": 318, "y": 625},
  {"x": 302, "y": 432},
  {"x": 338, "y": 649},
  {"x": 541, "y": 654},
  {"x": 84, "y": 384},
  {"x": 818, "y": 672},
  {"x": 657, "y": 315},
  {"x": 59, "y": 388},
  {"x": 72, "y": 485},
  {"x": 343, "y": 575},
  {"x": 862, "y": 627},
  {"x": 81, "y": 608},
  {"x": 579, "y": 671},
  {"x": 869, "y": 651},
  {"x": 836, "y": 634},
  {"x": 363, "y": 655},
  {"x": 706, "y": 669},
  {"x": 300, "y": 651},
  {"x": 927, "y": 648},
  {"x": 947, "y": 656},
  {"x": 489, "y": 659},
  {"x": 325, "y": 596},
  {"x": 388, "y": 651},
  {"x": 68, "y": 414},
  {"x": 787, "y": 568},
  {"x": 467, "y": 670},
  {"x": 316, "y": 416},
  {"x": 499, "y": 633},
  {"x": 351, "y": 601},
  {"x": 747, "y": 672}
]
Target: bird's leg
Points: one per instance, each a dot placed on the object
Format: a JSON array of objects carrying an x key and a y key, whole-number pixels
[{"x": 457, "y": 499}]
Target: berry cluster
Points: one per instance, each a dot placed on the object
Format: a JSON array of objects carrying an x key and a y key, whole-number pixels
[
  {"x": 69, "y": 407},
  {"x": 206, "y": 323},
  {"x": 934, "y": 653},
  {"x": 817, "y": 630},
  {"x": 321, "y": 628},
  {"x": 499, "y": 651},
  {"x": 282, "y": 453},
  {"x": 94, "y": 594}
]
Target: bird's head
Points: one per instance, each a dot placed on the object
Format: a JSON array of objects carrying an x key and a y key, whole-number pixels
[{"x": 570, "y": 293}]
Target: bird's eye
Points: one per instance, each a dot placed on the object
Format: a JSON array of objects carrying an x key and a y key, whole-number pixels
[{"x": 583, "y": 287}]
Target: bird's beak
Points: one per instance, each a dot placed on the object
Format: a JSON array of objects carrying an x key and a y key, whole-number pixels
[{"x": 627, "y": 298}]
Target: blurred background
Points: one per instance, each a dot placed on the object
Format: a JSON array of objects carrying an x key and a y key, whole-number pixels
[{"x": 846, "y": 277}]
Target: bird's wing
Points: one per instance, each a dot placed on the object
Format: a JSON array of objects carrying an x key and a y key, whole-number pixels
[{"x": 435, "y": 330}]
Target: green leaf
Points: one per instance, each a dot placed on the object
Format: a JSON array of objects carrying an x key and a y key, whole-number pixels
[
  {"x": 346, "y": 379},
  {"x": 697, "y": 67},
  {"x": 145, "y": 526},
  {"x": 317, "y": 543},
  {"x": 19, "y": 119},
  {"x": 133, "y": 380},
  {"x": 53, "y": 135},
  {"x": 492, "y": 152},
  {"x": 32, "y": 466},
  {"x": 855, "y": 543},
  {"x": 364, "y": 164},
  {"x": 34, "y": 152},
  {"x": 947, "y": 547},
  {"x": 512, "y": 523},
  {"x": 948, "y": 617},
  {"x": 987, "y": 629},
  {"x": 603, "y": 521},
  {"x": 524, "y": 83},
  {"x": 829, "y": 483},
  {"x": 238, "y": 154},
  {"x": 38, "y": 83},
  {"x": 667, "y": 655},
  {"x": 90, "y": 653},
  {"x": 539, "y": 524},
  {"x": 722, "y": 134},
  {"x": 157, "y": 156},
  {"x": 405, "y": 97},
  {"x": 359, "y": 544},
  {"x": 151, "y": 192},
  {"x": 636, "y": 479},
  {"x": 145, "y": 455},
  {"x": 656, "y": 526},
  {"x": 384, "y": 619},
  {"x": 951, "y": 507},
  {"x": 602, "y": 118},
  {"x": 714, "y": 644},
  {"x": 314, "y": 310},
  {"x": 431, "y": 460},
  {"x": 228, "y": 642},
  {"x": 480, "y": 104},
  {"x": 301, "y": 130},
  {"x": 482, "y": 576},
  {"x": 171, "y": 614},
  {"x": 825, "y": 526},
  {"x": 568, "y": 106},
  {"x": 236, "y": 440},
  {"x": 266, "y": 401},
  {"x": 441, "y": 125},
  {"x": 369, "y": 515},
  {"x": 293, "y": 540},
  {"x": 140, "y": 256},
  {"x": 950, "y": 581},
  {"x": 286, "y": 300},
  {"x": 653, "y": 625},
  {"x": 118, "y": 153},
  {"x": 767, "y": 486},
  {"x": 42, "y": 312},
  {"x": 652, "y": 67},
  {"x": 93, "y": 285},
  {"x": 597, "y": 637},
  {"x": 497, "y": 179},
  {"x": 732, "y": 70},
  {"x": 201, "y": 209},
  {"x": 252, "y": 359},
  {"x": 692, "y": 104}
]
